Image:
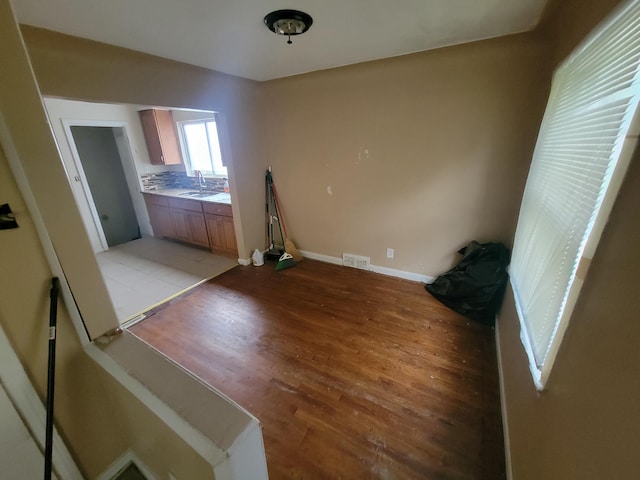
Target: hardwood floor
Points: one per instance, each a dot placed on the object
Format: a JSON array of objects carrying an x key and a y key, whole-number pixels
[{"x": 352, "y": 374}]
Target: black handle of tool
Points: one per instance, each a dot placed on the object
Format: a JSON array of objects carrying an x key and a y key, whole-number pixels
[{"x": 53, "y": 320}]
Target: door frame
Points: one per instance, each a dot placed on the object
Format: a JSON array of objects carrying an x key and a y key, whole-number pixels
[{"x": 81, "y": 178}]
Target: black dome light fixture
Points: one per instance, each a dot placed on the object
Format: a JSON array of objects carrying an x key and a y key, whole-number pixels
[{"x": 288, "y": 22}]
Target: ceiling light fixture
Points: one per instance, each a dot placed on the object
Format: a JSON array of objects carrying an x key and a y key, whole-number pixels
[{"x": 288, "y": 22}]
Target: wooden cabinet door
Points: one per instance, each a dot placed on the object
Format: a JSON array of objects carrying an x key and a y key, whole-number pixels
[
  {"x": 151, "y": 136},
  {"x": 159, "y": 216},
  {"x": 222, "y": 236},
  {"x": 216, "y": 235},
  {"x": 229, "y": 235},
  {"x": 161, "y": 222},
  {"x": 197, "y": 229},
  {"x": 181, "y": 224},
  {"x": 160, "y": 136}
]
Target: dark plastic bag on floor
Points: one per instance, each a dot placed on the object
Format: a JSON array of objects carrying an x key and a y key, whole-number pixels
[{"x": 475, "y": 286}]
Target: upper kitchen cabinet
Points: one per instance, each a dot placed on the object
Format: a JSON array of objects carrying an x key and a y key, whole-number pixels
[{"x": 160, "y": 135}]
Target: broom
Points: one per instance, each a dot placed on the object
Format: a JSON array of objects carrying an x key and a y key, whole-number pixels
[
  {"x": 286, "y": 261},
  {"x": 289, "y": 246},
  {"x": 273, "y": 252}
]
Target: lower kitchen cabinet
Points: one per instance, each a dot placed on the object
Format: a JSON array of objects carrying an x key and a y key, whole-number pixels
[
  {"x": 222, "y": 234},
  {"x": 199, "y": 223},
  {"x": 188, "y": 221},
  {"x": 190, "y": 227},
  {"x": 160, "y": 216}
]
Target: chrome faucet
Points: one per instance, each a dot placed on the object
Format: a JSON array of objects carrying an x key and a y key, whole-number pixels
[{"x": 201, "y": 181}]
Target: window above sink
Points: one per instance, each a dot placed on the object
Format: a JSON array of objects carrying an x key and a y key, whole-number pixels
[{"x": 200, "y": 144}]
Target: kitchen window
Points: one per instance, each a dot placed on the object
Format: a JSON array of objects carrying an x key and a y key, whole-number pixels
[
  {"x": 585, "y": 143},
  {"x": 201, "y": 147}
]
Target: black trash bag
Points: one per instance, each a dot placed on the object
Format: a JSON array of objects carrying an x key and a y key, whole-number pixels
[{"x": 475, "y": 286}]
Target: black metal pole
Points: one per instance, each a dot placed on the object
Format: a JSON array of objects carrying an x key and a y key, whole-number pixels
[{"x": 53, "y": 319}]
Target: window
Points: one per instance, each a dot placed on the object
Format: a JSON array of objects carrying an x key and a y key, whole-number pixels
[
  {"x": 201, "y": 147},
  {"x": 582, "y": 152}
]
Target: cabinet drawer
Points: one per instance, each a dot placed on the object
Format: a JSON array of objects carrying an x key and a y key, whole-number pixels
[
  {"x": 185, "y": 204},
  {"x": 217, "y": 209},
  {"x": 158, "y": 200}
]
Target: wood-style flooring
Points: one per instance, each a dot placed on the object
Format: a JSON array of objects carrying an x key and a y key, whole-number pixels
[{"x": 353, "y": 375}]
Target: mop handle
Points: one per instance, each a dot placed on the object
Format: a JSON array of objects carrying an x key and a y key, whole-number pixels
[
  {"x": 53, "y": 320},
  {"x": 278, "y": 208}
]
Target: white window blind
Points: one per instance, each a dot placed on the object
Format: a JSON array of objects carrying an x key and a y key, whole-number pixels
[{"x": 579, "y": 160}]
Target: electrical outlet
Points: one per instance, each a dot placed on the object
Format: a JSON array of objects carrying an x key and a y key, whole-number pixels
[
  {"x": 390, "y": 252},
  {"x": 355, "y": 261}
]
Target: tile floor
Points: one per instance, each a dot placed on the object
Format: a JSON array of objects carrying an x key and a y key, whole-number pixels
[{"x": 148, "y": 271}]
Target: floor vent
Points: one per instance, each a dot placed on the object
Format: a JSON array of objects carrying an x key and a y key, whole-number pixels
[{"x": 355, "y": 261}]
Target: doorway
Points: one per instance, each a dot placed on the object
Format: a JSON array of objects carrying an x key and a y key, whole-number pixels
[{"x": 99, "y": 163}]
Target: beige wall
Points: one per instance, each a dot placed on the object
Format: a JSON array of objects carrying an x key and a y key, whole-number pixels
[
  {"x": 94, "y": 413},
  {"x": 97, "y": 417},
  {"x": 26, "y": 132},
  {"x": 585, "y": 425},
  {"x": 420, "y": 153},
  {"x": 566, "y": 22},
  {"x": 72, "y": 68}
]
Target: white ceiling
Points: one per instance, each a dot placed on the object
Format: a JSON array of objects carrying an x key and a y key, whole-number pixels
[{"x": 229, "y": 35}]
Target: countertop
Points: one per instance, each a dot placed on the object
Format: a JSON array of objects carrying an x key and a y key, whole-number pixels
[{"x": 187, "y": 193}]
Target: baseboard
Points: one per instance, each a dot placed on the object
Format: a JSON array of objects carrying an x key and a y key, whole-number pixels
[
  {"x": 320, "y": 257},
  {"x": 121, "y": 463},
  {"x": 416, "y": 277},
  {"x": 503, "y": 406},
  {"x": 244, "y": 261}
]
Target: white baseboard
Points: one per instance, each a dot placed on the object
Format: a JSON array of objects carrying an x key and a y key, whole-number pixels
[
  {"x": 416, "y": 277},
  {"x": 503, "y": 406},
  {"x": 244, "y": 261},
  {"x": 321, "y": 257}
]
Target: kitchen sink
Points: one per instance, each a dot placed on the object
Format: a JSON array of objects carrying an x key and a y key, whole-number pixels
[
  {"x": 196, "y": 194},
  {"x": 210, "y": 196}
]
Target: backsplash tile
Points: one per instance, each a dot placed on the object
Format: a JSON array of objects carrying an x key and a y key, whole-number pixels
[{"x": 158, "y": 181}]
